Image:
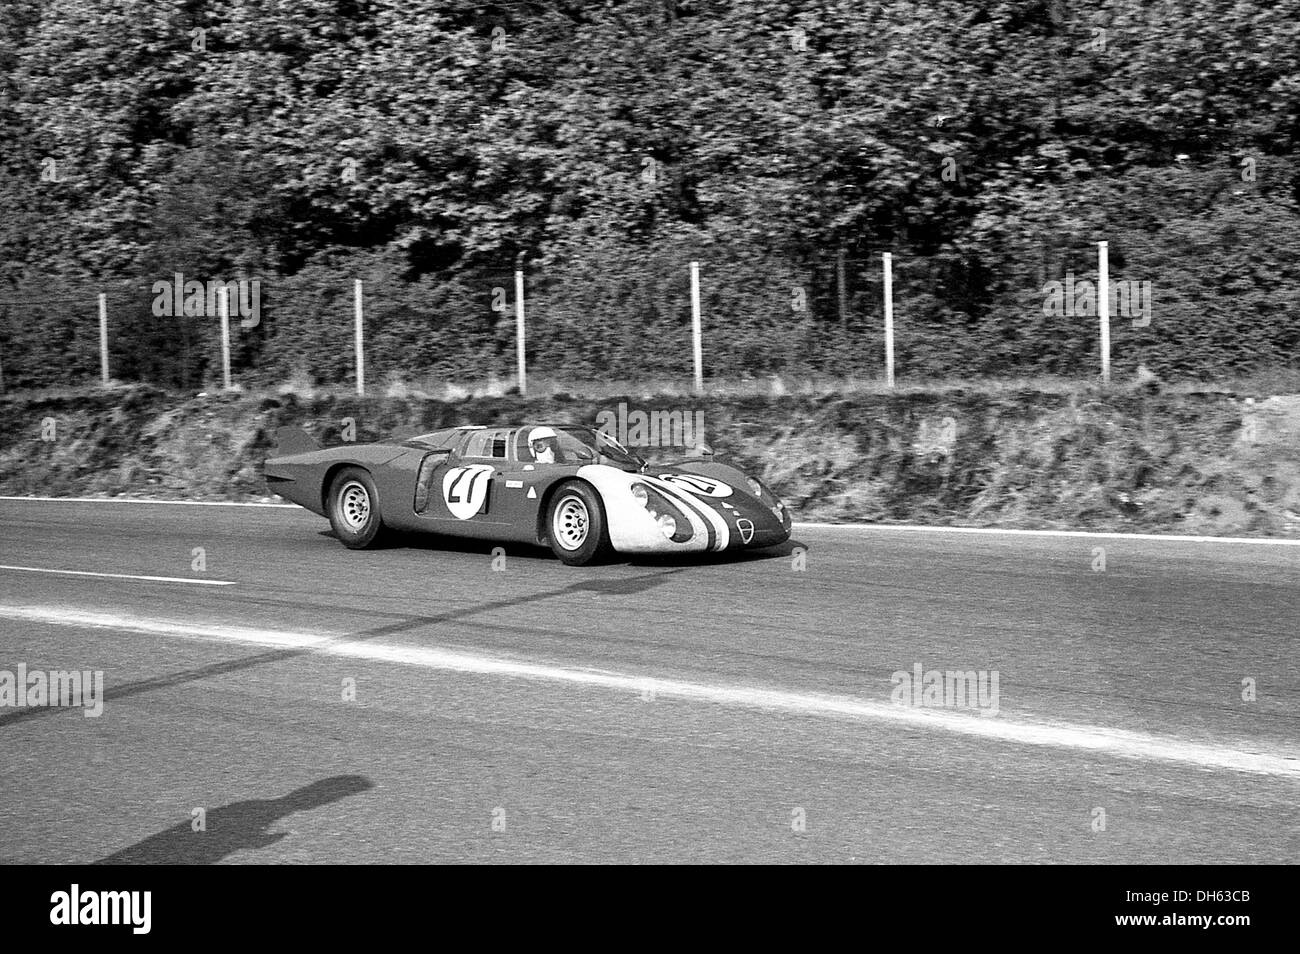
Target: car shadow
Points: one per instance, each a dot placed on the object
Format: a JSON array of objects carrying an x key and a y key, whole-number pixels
[
  {"x": 778, "y": 551},
  {"x": 410, "y": 540},
  {"x": 404, "y": 540}
]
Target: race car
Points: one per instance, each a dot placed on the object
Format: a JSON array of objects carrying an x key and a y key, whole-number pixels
[{"x": 573, "y": 488}]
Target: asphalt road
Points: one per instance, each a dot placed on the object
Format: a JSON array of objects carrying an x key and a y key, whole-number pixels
[{"x": 726, "y": 710}]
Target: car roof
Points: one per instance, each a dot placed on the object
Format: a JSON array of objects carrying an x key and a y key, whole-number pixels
[{"x": 448, "y": 435}]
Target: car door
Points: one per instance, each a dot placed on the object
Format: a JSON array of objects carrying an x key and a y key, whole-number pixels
[
  {"x": 456, "y": 493},
  {"x": 518, "y": 487}
]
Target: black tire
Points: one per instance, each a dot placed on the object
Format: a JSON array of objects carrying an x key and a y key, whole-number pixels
[
  {"x": 575, "y": 524},
  {"x": 354, "y": 509}
]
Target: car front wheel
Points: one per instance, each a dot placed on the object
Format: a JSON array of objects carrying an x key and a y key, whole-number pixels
[{"x": 575, "y": 525}]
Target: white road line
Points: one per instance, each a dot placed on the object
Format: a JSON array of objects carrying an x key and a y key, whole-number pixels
[
  {"x": 798, "y": 524},
  {"x": 148, "y": 500},
  {"x": 120, "y": 576},
  {"x": 1064, "y": 735},
  {"x": 1086, "y": 534}
]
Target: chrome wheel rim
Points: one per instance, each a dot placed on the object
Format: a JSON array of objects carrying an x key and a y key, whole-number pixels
[
  {"x": 354, "y": 506},
  {"x": 571, "y": 523}
]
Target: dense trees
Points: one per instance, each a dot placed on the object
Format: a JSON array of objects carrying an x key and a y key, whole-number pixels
[{"x": 428, "y": 146}]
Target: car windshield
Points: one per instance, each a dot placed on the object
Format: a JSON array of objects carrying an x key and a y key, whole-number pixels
[{"x": 603, "y": 445}]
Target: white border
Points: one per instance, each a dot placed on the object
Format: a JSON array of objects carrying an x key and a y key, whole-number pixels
[
  {"x": 1084, "y": 534},
  {"x": 119, "y": 576},
  {"x": 150, "y": 500},
  {"x": 1085, "y": 739},
  {"x": 800, "y": 525}
]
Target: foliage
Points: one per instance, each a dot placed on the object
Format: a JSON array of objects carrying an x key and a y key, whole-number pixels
[{"x": 429, "y": 147}]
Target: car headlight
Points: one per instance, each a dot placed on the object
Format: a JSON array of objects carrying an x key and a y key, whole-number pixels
[
  {"x": 672, "y": 523},
  {"x": 755, "y": 487}
]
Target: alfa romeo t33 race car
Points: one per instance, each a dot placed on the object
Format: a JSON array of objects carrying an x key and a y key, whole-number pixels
[{"x": 573, "y": 488}]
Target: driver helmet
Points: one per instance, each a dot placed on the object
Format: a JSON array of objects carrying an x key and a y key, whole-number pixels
[{"x": 545, "y": 444}]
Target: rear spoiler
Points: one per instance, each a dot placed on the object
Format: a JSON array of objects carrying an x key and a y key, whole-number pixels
[{"x": 293, "y": 440}]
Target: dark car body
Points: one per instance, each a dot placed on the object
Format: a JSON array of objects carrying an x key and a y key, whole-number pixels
[{"x": 484, "y": 482}]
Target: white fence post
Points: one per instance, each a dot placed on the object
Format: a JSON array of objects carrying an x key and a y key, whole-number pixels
[
  {"x": 225, "y": 338},
  {"x": 103, "y": 338},
  {"x": 360, "y": 338},
  {"x": 887, "y": 261},
  {"x": 697, "y": 344},
  {"x": 520, "y": 354},
  {"x": 841, "y": 286},
  {"x": 1103, "y": 306}
]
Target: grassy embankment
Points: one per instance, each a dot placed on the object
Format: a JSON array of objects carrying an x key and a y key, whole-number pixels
[{"x": 1032, "y": 454}]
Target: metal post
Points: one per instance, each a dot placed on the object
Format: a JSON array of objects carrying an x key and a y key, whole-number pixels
[
  {"x": 103, "y": 338},
  {"x": 225, "y": 338},
  {"x": 841, "y": 287},
  {"x": 697, "y": 345},
  {"x": 887, "y": 259},
  {"x": 520, "y": 355},
  {"x": 360, "y": 339},
  {"x": 1103, "y": 306}
]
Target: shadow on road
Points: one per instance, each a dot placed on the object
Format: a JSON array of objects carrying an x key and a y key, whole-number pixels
[
  {"x": 431, "y": 541},
  {"x": 239, "y": 826},
  {"x": 774, "y": 552},
  {"x": 401, "y": 623}
]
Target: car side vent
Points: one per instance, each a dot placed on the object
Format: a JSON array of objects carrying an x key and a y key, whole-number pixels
[{"x": 422, "y": 482}]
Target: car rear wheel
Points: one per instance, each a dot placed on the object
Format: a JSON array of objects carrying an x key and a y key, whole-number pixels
[
  {"x": 575, "y": 525},
  {"x": 354, "y": 509}
]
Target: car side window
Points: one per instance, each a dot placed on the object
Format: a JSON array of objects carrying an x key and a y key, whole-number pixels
[{"x": 487, "y": 443}]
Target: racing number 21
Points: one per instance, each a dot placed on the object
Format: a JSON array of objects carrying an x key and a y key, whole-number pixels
[
  {"x": 465, "y": 489},
  {"x": 469, "y": 488}
]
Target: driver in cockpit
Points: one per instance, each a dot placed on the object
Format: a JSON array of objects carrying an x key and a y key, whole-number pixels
[{"x": 544, "y": 444}]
